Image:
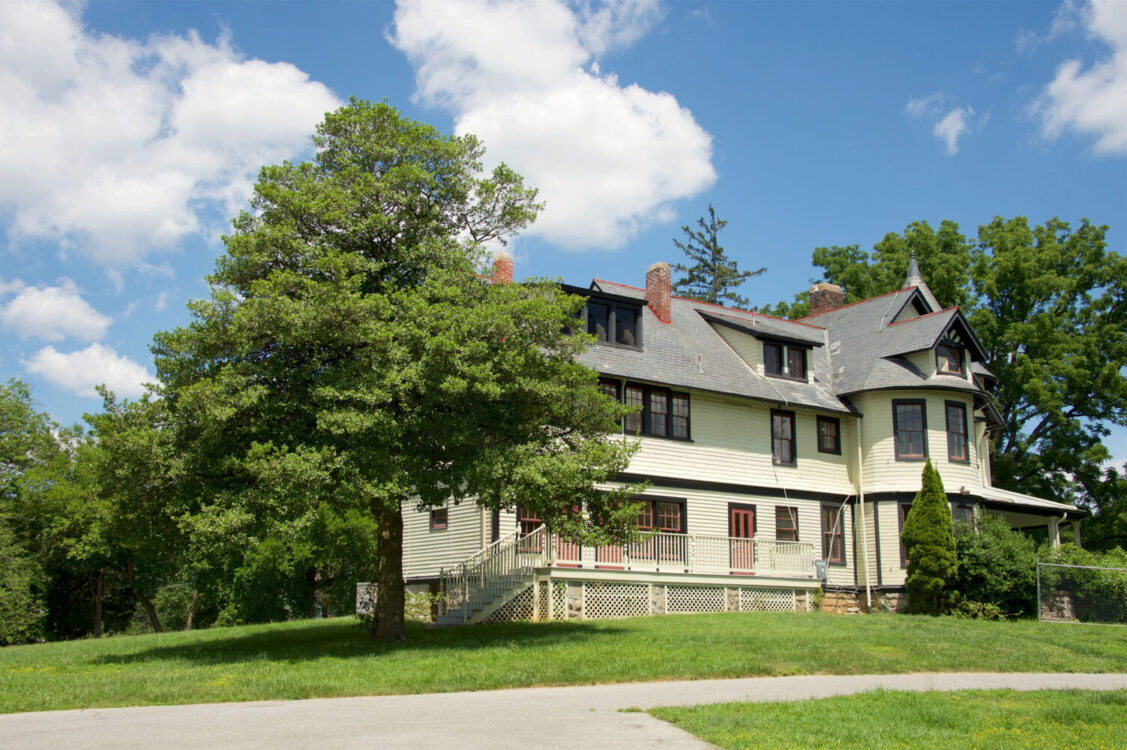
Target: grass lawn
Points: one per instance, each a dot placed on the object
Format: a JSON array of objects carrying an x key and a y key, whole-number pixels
[
  {"x": 997, "y": 719},
  {"x": 323, "y": 658}
]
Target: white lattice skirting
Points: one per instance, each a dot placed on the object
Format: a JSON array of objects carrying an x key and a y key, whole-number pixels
[{"x": 590, "y": 600}]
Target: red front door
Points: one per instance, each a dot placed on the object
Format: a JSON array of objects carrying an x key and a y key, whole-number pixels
[{"x": 741, "y": 527}]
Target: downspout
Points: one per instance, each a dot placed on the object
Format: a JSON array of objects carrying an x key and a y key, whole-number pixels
[{"x": 864, "y": 525}]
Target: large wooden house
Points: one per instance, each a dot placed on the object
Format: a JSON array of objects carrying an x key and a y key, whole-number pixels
[{"x": 783, "y": 457}]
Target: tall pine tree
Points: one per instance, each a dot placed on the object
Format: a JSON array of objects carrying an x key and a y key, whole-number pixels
[{"x": 712, "y": 277}]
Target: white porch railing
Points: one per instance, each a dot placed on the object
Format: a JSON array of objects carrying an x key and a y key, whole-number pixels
[
  {"x": 688, "y": 553},
  {"x": 477, "y": 582}
]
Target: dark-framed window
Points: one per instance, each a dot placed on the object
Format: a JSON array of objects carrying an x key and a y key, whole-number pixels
[
  {"x": 661, "y": 515},
  {"x": 634, "y": 395},
  {"x": 962, "y": 512},
  {"x": 796, "y": 363},
  {"x": 772, "y": 358},
  {"x": 956, "y": 432},
  {"x": 949, "y": 359},
  {"x": 613, "y": 323},
  {"x": 784, "y": 361},
  {"x": 786, "y": 523},
  {"x": 909, "y": 426},
  {"x": 782, "y": 437},
  {"x": 664, "y": 413},
  {"x": 833, "y": 534},
  {"x": 902, "y": 513},
  {"x": 439, "y": 518},
  {"x": 829, "y": 435},
  {"x": 610, "y": 388}
]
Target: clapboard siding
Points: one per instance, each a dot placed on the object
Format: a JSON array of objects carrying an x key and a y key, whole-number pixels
[
  {"x": 731, "y": 442},
  {"x": 883, "y": 472},
  {"x": 426, "y": 550},
  {"x": 891, "y": 572},
  {"x": 867, "y": 546}
]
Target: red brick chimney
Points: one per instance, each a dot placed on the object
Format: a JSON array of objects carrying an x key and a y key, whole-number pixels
[
  {"x": 658, "y": 291},
  {"x": 502, "y": 268},
  {"x": 825, "y": 297}
]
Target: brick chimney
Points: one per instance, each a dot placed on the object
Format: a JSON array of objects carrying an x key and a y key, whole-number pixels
[
  {"x": 658, "y": 291},
  {"x": 502, "y": 268},
  {"x": 825, "y": 297}
]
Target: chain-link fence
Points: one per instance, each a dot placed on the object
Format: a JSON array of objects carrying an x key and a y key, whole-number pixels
[{"x": 1079, "y": 593}]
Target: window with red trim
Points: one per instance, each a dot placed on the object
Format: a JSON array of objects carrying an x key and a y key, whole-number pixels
[
  {"x": 786, "y": 523},
  {"x": 909, "y": 424}
]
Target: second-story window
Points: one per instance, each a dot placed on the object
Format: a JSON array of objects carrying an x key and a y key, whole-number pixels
[
  {"x": 786, "y": 523},
  {"x": 909, "y": 426},
  {"x": 956, "y": 432},
  {"x": 829, "y": 435},
  {"x": 782, "y": 437},
  {"x": 663, "y": 413}
]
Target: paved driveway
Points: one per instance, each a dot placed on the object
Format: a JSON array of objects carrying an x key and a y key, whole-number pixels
[{"x": 525, "y": 719}]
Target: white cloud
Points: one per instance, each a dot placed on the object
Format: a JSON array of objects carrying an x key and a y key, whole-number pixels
[
  {"x": 116, "y": 147},
  {"x": 161, "y": 303},
  {"x": 952, "y": 127},
  {"x": 950, "y": 123},
  {"x": 52, "y": 313},
  {"x": 925, "y": 106},
  {"x": 81, "y": 371},
  {"x": 1092, "y": 101},
  {"x": 522, "y": 76}
]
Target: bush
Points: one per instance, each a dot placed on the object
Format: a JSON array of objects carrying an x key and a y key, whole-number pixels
[
  {"x": 930, "y": 543},
  {"x": 21, "y": 608},
  {"x": 968, "y": 609},
  {"x": 996, "y": 566}
]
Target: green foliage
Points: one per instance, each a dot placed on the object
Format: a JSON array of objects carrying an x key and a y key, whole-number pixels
[
  {"x": 351, "y": 362},
  {"x": 930, "y": 544},
  {"x": 712, "y": 277},
  {"x": 996, "y": 567},
  {"x": 21, "y": 605},
  {"x": 1047, "y": 303},
  {"x": 1093, "y": 594},
  {"x": 1107, "y": 526}
]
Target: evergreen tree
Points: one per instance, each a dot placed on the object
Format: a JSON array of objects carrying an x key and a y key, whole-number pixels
[
  {"x": 712, "y": 277},
  {"x": 929, "y": 540}
]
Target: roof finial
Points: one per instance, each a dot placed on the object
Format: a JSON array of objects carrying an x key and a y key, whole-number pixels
[{"x": 915, "y": 278}]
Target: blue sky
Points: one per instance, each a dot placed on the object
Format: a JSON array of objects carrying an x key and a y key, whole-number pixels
[{"x": 130, "y": 133}]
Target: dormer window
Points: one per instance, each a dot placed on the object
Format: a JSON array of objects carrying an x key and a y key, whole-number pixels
[
  {"x": 949, "y": 360},
  {"x": 612, "y": 323},
  {"x": 776, "y": 356}
]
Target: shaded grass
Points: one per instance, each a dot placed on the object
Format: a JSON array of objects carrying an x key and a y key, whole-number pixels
[
  {"x": 1003, "y": 719},
  {"x": 327, "y": 658}
]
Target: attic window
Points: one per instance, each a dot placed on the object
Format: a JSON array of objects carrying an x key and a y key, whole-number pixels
[
  {"x": 776, "y": 356},
  {"x": 613, "y": 323},
  {"x": 949, "y": 360}
]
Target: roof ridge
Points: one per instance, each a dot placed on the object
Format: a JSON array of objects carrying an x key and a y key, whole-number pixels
[
  {"x": 858, "y": 302},
  {"x": 617, "y": 283},
  {"x": 952, "y": 308},
  {"x": 756, "y": 313}
]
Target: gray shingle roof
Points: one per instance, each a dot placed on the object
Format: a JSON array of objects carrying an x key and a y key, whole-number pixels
[{"x": 690, "y": 354}]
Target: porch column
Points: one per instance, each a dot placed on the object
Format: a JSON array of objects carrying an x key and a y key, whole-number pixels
[{"x": 1054, "y": 532}]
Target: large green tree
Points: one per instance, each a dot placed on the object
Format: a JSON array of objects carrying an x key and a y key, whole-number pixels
[
  {"x": 1049, "y": 304},
  {"x": 712, "y": 276},
  {"x": 350, "y": 357}
]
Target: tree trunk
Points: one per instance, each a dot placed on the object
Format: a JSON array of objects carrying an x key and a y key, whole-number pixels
[
  {"x": 192, "y": 608},
  {"x": 98, "y": 589},
  {"x": 146, "y": 602},
  {"x": 388, "y": 624}
]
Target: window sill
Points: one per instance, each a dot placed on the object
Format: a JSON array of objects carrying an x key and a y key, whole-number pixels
[
  {"x": 658, "y": 437},
  {"x": 911, "y": 459},
  {"x": 628, "y": 347},
  {"x": 778, "y": 376}
]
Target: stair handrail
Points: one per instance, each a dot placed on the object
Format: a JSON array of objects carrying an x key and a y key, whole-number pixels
[{"x": 481, "y": 577}]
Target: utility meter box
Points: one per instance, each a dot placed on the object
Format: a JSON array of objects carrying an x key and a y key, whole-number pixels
[{"x": 820, "y": 569}]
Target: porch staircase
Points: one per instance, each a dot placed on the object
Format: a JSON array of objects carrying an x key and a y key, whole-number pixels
[{"x": 488, "y": 580}]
